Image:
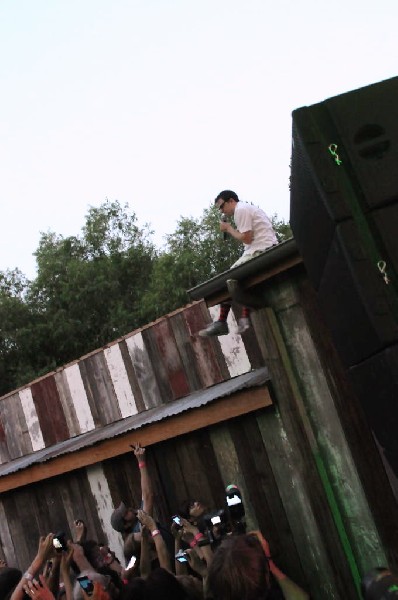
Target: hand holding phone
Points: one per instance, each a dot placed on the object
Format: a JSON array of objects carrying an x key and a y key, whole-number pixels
[{"x": 86, "y": 584}]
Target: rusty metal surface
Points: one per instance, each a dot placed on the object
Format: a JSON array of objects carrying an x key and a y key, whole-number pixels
[{"x": 196, "y": 399}]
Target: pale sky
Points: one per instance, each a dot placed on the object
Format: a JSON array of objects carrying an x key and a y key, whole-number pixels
[{"x": 161, "y": 104}]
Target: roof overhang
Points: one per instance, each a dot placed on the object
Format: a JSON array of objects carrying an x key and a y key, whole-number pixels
[
  {"x": 275, "y": 260},
  {"x": 232, "y": 398}
]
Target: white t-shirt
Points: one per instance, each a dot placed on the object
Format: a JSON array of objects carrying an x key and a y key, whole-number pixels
[{"x": 251, "y": 218}]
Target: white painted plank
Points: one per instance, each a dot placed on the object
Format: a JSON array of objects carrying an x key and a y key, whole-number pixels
[
  {"x": 31, "y": 418},
  {"x": 232, "y": 346},
  {"x": 102, "y": 495},
  {"x": 79, "y": 397},
  {"x": 120, "y": 380}
]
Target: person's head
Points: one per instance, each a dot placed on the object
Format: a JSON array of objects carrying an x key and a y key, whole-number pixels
[
  {"x": 226, "y": 202},
  {"x": 192, "y": 509},
  {"x": 162, "y": 585},
  {"x": 123, "y": 518},
  {"x": 193, "y": 586},
  {"x": 9, "y": 578},
  {"x": 239, "y": 570}
]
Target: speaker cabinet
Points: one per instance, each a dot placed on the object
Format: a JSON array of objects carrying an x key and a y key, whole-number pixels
[
  {"x": 376, "y": 384},
  {"x": 344, "y": 217}
]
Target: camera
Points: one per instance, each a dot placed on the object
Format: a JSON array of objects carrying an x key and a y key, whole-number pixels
[
  {"x": 235, "y": 509},
  {"x": 379, "y": 584},
  {"x": 181, "y": 556},
  {"x": 59, "y": 542}
]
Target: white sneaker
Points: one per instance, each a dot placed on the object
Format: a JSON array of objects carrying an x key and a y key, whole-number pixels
[
  {"x": 215, "y": 329},
  {"x": 243, "y": 325}
]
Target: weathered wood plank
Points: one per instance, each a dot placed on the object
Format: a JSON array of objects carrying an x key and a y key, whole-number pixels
[
  {"x": 298, "y": 480},
  {"x": 99, "y": 389},
  {"x": 104, "y": 508},
  {"x": 4, "y": 452},
  {"x": 208, "y": 356},
  {"x": 9, "y": 553},
  {"x": 120, "y": 380},
  {"x": 332, "y": 442},
  {"x": 31, "y": 418},
  {"x": 67, "y": 403},
  {"x": 15, "y": 428},
  {"x": 232, "y": 346},
  {"x": 132, "y": 377},
  {"x": 78, "y": 393},
  {"x": 264, "y": 495},
  {"x": 49, "y": 411},
  {"x": 144, "y": 371},
  {"x": 184, "y": 345},
  {"x": 170, "y": 358}
]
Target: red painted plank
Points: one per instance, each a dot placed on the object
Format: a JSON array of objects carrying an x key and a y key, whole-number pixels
[
  {"x": 171, "y": 358},
  {"x": 209, "y": 367},
  {"x": 49, "y": 411}
]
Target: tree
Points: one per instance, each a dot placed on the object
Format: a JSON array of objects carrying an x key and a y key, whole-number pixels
[{"x": 88, "y": 289}]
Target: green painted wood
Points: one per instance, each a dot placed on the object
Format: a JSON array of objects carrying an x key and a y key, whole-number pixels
[{"x": 306, "y": 503}]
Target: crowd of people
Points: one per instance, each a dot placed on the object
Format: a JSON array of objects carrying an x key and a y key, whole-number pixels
[{"x": 182, "y": 561}]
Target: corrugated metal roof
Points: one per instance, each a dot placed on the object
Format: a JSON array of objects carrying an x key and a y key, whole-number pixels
[{"x": 195, "y": 400}]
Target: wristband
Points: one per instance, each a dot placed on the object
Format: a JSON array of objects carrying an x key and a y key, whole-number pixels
[
  {"x": 193, "y": 543},
  {"x": 27, "y": 576},
  {"x": 198, "y": 536},
  {"x": 141, "y": 465},
  {"x": 155, "y": 532}
]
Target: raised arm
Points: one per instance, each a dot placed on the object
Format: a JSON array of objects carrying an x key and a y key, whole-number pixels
[
  {"x": 44, "y": 551},
  {"x": 291, "y": 590},
  {"x": 146, "y": 484}
]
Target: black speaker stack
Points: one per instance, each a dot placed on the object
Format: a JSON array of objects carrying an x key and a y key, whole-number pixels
[{"x": 344, "y": 216}]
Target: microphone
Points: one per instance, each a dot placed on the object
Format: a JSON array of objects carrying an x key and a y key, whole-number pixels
[{"x": 224, "y": 220}]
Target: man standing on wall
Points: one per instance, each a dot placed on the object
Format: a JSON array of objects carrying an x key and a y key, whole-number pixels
[{"x": 254, "y": 229}]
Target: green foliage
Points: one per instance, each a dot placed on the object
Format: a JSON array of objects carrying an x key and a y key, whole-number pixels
[{"x": 93, "y": 288}]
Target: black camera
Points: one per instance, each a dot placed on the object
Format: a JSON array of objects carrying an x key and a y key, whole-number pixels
[
  {"x": 235, "y": 509},
  {"x": 59, "y": 542},
  {"x": 379, "y": 584}
]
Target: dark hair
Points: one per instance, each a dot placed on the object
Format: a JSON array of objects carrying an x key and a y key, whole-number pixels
[
  {"x": 227, "y": 195},
  {"x": 159, "y": 585},
  {"x": 9, "y": 579},
  {"x": 239, "y": 570}
]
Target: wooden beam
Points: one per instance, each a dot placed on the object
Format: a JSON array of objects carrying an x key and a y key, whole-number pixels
[
  {"x": 220, "y": 410},
  {"x": 248, "y": 283}
]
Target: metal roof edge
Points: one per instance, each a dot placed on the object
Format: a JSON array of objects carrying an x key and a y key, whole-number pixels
[
  {"x": 268, "y": 259},
  {"x": 197, "y": 399}
]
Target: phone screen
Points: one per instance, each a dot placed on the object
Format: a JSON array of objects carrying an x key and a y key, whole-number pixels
[
  {"x": 131, "y": 562},
  {"x": 86, "y": 584},
  {"x": 215, "y": 520}
]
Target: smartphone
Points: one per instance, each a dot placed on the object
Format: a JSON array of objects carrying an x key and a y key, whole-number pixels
[
  {"x": 86, "y": 584},
  {"x": 181, "y": 556},
  {"x": 131, "y": 562},
  {"x": 59, "y": 542},
  {"x": 177, "y": 520},
  {"x": 215, "y": 520}
]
